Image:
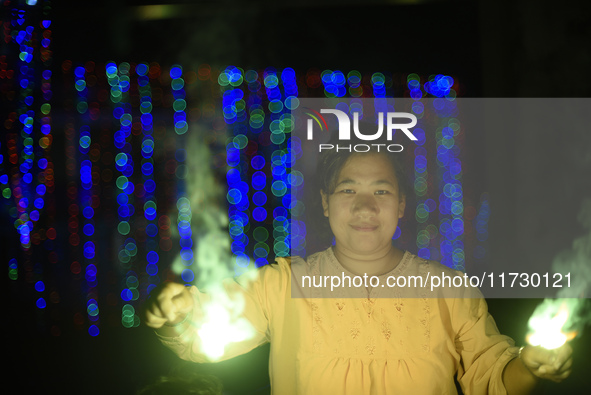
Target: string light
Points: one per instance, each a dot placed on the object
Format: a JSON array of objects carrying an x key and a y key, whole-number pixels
[
  {"x": 334, "y": 83},
  {"x": 8, "y": 148},
  {"x": 234, "y": 111},
  {"x": 147, "y": 168},
  {"x": 23, "y": 180},
  {"x": 293, "y": 179},
  {"x": 120, "y": 81},
  {"x": 280, "y": 163},
  {"x": 26, "y": 168},
  {"x": 451, "y": 206},
  {"x": 264, "y": 189},
  {"x": 354, "y": 82},
  {"x": 421, "y": 175},
  {"x": 258, "y": 168},
  {"x": 183, "y": 204},
  {"x": 85, "y": 201}
]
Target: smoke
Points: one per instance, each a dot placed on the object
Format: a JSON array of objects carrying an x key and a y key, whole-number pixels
[
  {"x": 577, "y": 260},
  {"x": 222, "y": 321},
  {"x": 574, "y": 265}
]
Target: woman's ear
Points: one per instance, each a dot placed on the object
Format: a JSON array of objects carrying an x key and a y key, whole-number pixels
[
  {"x": 324, "y": 203},
  {"x": 401, "y": 206}
]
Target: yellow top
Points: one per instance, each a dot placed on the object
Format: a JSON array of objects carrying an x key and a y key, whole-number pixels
[{"x": 374, "y": 345}]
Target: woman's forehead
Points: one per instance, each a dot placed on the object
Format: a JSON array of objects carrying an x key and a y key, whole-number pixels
[{"x": 366, "y": 167}]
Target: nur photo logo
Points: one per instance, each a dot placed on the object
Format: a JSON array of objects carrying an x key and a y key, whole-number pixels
[{"x": 387, "y": 122}]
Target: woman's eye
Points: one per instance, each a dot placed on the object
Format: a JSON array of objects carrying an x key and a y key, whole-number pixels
[
  {"x": 347, "y": 191},
  {"x": 383, "y": 192}
]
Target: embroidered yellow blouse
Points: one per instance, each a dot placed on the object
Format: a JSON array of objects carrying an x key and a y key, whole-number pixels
[{"x": 364, "y": 345}]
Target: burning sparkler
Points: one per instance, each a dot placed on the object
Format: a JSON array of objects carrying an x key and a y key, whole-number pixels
[
  {"x": 557, "y": 321},
  {"x": 551, "y": 324},
  {"x": 221, "y": 326},
  {"x": 221, "y": 320}
]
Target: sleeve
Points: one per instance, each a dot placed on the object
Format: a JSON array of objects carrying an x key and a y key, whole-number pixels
[
  {"x": 484, "y": 352},
  {"x": 233, "y": 320}
]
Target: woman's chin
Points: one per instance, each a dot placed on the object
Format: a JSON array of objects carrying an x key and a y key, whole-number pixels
[{"x": 366, "y": 250}]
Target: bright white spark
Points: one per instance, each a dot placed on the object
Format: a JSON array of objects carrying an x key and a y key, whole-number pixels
[
  {"x": 547, "y": 330},
  {"x": 219, "y": 329}
]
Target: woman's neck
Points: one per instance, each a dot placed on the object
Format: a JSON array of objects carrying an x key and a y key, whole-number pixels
[{"x": 376, "y": 264}]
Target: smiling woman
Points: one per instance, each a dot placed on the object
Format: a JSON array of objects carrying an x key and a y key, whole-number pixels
[
  {"x": 363, "y": 338},
  {"x": 363, "y": 212}
]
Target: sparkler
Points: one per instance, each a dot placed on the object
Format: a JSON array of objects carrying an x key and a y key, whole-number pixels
[
  {"x": 551, "y": 324},
  {"x": 221, "y": 320},
  {"x": 220, "y": 328}
]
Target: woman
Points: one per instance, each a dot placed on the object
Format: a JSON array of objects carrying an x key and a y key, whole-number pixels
[{"x": 367, "y": 339}]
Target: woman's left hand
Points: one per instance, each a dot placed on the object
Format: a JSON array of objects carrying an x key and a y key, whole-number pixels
[{"x": 555, "y": 365}]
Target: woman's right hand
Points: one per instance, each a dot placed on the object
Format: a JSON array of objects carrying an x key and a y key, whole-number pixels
[{"x": 169, "y": 304}]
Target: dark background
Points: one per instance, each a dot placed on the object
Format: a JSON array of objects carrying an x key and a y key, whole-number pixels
[{"x": 495, "y": 48}]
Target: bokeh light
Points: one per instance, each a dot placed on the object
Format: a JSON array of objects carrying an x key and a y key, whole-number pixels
[{"x": 125, "y": 161}]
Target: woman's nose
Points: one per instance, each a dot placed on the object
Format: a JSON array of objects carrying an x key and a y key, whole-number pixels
[{"x": 364, "y": 203}]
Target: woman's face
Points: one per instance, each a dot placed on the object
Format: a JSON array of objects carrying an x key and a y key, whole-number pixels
[{"x": 365, "y": 206}]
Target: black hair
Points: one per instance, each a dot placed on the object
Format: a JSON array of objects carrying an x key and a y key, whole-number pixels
[{"x": 331, "y": 160}]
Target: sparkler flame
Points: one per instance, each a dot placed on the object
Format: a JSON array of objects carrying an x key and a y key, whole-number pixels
[
  {"x": 219, "y": 329},
  {"x": 221, "y": 320},
  {"x": 548, "y": 325}
]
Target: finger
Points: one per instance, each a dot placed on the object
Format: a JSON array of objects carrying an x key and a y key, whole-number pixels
[
  {"x": 531, "y": 358},
  {"x": 173, "y": 289},
  {"x": 536, "y": 357},
  {"x": 155, "y": 324},
  {"x": 183, "y": 302},
  {"x": 567, "y": 365},
  {"x": 560, "y": 377},
  {"x": 165, "y": 300},
  {"x": 545, "y": 371},
  {"x": 562, "y": 354},
  {"x": 152, "y": 310},
  {"x": 153, "y": 320},
  {"x": 551, "y": 373}
]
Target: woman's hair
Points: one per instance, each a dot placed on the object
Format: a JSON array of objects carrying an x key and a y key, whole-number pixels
[{"x": 331, "y": 161}]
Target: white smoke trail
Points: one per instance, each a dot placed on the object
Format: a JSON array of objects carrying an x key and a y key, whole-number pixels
[
  {"x": 222, "y": 321},
  {"x": 577, "y": 260},
  {"x": 574, "y": 264}
]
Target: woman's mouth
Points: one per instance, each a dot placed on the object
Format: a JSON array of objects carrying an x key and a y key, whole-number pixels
[{"x": 364, "y": 227}]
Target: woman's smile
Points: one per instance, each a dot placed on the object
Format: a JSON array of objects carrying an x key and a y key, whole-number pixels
[{"x": 364, "y": 227}]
